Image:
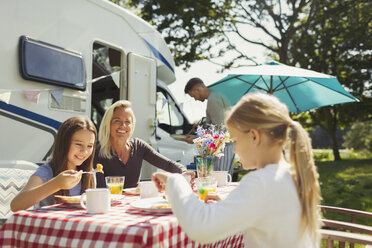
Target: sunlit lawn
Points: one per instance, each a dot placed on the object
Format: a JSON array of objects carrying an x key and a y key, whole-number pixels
[{"x": 346, "y": 183}]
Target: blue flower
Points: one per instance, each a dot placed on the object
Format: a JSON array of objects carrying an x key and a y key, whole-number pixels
[
  {"x": 210, "y": 142},
  {"x": 199, "y": 131}
]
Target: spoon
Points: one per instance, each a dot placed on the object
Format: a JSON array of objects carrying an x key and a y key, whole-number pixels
[{"x": 88, "y": 172}]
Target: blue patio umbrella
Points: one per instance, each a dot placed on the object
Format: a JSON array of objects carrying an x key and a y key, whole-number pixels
[{"x": 298, "y": 88}]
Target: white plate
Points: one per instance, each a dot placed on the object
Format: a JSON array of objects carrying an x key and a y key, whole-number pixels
[
  {"x": 68, "y": 199},
  {"x": 151, "y": 205},
  {"x": 75, "y": 200},
  {"x": 116, "y": 197},
  {"x": 178, "y": 136},
  {"x": 132, "y": 191}
]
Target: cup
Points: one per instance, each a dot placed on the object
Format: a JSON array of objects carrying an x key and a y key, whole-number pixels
[
  {"x": 148, "y": 189},
  {"x": 222, "y": 177},
  {"x": 97, "y": 200},
  {"x": 205, "y": 185},
  {"x": 115, "y": 184}
]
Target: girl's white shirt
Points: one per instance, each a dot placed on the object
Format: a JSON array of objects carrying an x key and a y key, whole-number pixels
[{"x": 265, "y": 208}]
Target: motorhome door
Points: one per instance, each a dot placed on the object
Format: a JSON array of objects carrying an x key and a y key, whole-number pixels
[{"x": 142, "y": 94}]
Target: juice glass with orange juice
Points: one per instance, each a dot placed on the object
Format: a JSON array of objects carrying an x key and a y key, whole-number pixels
[
  {"x": 205, "y": 185},
  {"x": 115, "y": 184}
]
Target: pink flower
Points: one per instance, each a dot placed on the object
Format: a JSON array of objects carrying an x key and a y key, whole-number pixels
[
  {"x": 216, "y": 136},
  {"x": 212, "y": 146}
]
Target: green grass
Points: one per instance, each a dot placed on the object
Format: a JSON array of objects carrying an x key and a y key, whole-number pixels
[
  {"x": 346, "y": 183},
  {"x": 335, "y": 245},
  {"x": 327, "y": 154}
]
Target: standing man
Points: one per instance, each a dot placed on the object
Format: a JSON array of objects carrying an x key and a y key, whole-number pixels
[{"x": 217, "y": 105}]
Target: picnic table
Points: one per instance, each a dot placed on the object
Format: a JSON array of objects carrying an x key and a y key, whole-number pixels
[{"x": 63, "y": 225}]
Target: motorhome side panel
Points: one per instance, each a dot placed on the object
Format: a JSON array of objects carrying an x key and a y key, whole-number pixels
[{"x": 27, "y": 128}]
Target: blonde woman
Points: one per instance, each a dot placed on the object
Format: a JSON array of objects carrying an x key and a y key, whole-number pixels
[
  {"x": 274, "y": 206},
  {"x": 122, "y": 155}
]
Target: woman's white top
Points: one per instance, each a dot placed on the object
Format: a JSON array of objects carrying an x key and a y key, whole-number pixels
[{"x": 265, "y": 207}]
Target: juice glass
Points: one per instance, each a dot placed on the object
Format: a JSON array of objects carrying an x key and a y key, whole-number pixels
[
  {"x": 115, "y": 184},
  {"x": 205, "y": 185}
]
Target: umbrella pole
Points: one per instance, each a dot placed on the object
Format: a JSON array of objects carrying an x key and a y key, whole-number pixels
[{"x": 270, "y": 91}]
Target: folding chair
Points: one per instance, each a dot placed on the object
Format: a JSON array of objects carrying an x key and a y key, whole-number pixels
[
  {"x": 13, "y": 177},
  {"x": 226, "y": 162},
  {"x": 346, "y": 232}
]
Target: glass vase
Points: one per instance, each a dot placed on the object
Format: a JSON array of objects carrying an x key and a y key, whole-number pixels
[{"x": 204, "y": 166}]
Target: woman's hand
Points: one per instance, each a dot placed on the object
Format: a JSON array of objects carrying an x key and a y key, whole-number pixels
[
  {"x": 160, "y": 179},
  {"x": 212, "y": 197},
  {"x": 68, "y": 179}
]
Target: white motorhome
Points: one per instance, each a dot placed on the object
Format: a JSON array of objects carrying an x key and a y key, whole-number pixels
[{"x": 76, "y": 57}]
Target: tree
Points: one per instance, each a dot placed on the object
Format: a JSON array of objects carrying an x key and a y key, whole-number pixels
[
  {"x": 208, "y": 29},
  {"x": 338, "y": 41},
  {"x": 332, "y": 37},
  {"x": 359, "y": 137}
]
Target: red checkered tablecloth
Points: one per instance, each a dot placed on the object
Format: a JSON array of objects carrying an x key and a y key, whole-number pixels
[{"x": 123, "y": 226}]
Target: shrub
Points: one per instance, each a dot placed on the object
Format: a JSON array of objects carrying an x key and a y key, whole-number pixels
[
  {"x": 321, "y": 156},
  {"x": 359, "y": 137}
]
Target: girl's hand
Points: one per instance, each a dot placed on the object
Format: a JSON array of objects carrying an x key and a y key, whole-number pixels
[
  {"x": 212, "y": 197},
  {"x": 68, "y": 179},
  {"x": 160, "y": 179},
  {"x": 192, "y": 173}
]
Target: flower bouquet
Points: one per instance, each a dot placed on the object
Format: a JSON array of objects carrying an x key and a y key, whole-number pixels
[{"x": 210, "y": 143}]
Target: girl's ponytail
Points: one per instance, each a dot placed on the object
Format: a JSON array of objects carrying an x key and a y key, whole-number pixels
[{"x": 306, "y": 177}]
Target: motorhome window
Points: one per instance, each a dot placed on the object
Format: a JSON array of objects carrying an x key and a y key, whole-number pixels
[
  {"x": 47, "y": 63},
  {"x": 99, "y": 108},
  {"x": 167, "y": 111},
  {"x": 175, "y": 115},
  {"x": 106, "y": 59},
  {"x": 162, "y": 108},
  {"x": 106, "y": 75}
]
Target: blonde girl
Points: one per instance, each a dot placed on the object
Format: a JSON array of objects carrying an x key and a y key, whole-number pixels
[
  {"x": 276, "y": 205},
  {"x": 72, "y": 153}
]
